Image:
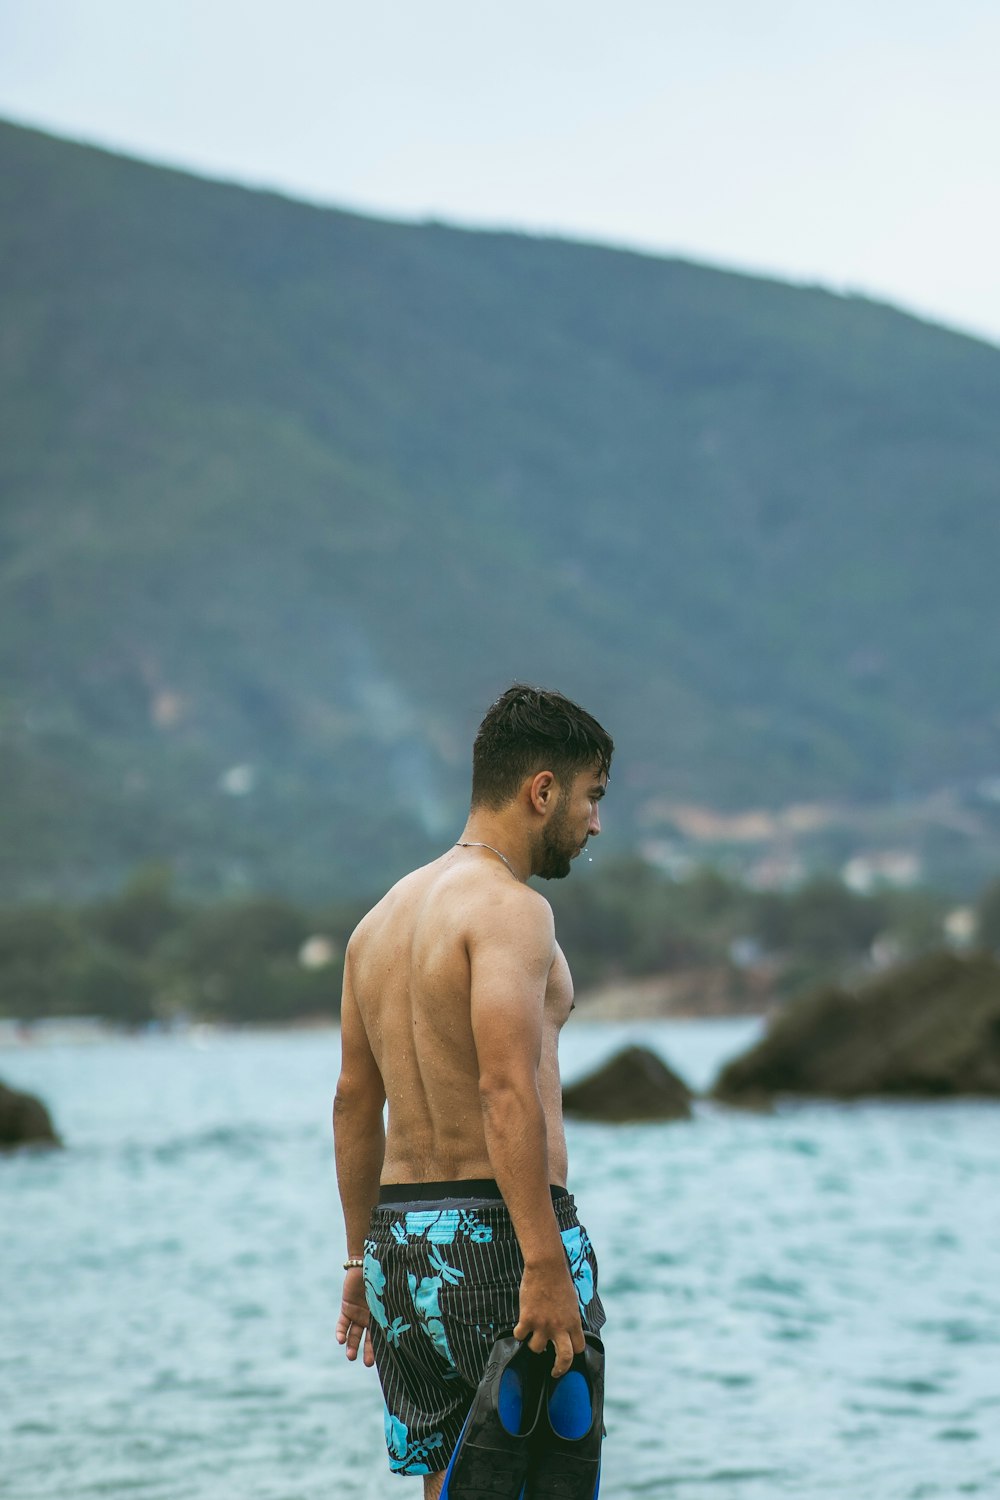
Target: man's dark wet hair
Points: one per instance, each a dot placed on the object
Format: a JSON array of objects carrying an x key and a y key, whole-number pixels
[{"x": 529, "y": 729}]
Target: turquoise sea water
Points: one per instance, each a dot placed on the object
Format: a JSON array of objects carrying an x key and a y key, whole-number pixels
[{"x": 800, "y": 1305}]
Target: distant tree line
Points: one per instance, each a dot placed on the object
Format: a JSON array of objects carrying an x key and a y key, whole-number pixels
[
  {"x": 148, "y": 955},
  {"x": 633, "y": 920}
]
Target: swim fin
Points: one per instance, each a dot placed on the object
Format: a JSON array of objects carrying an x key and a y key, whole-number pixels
[
  {"x": 491, "y": 1457},
  {"x": 566, "y": 1461}
]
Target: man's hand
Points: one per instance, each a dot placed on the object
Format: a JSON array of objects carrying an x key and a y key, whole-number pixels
[
  {"x": 353, "y": 1323},
  {"x": 550, "y": 1313}
]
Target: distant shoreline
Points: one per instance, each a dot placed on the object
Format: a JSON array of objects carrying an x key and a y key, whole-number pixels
[{"x": 639, "y": 1000}]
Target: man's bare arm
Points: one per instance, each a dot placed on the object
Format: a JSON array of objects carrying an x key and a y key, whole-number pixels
[
  {"x": 511, "y": 948},
  {"x": 359, "y": 1143}
]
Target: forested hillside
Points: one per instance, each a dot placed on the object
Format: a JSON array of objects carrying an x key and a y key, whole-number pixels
[{"x": 289, "y": 494}]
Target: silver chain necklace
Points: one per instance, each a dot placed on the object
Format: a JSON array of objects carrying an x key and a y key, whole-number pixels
[{"x": 475, "y": 844}]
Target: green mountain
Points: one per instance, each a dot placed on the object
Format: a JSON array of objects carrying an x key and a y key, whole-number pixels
[{"x": 288, "y": 495}]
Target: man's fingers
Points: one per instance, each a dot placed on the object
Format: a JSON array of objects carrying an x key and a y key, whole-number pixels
[
  {"x": 350, "y": 1333},
  {"x": 564, "y": 1355},
  {"x": 565, "y": 1344},
  {"x": 352, "y": 1327},
  {"x": 538, "y": 1342},
  {"x": 369, "y": 1349}
]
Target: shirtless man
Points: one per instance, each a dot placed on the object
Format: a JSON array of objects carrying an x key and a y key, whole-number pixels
[{"x": 459, "y": 1226}]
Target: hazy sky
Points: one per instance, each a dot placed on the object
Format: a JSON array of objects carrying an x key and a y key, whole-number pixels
[{"x": 855, "y": 145}]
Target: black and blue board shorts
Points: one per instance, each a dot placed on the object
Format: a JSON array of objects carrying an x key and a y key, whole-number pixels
[{"x": 442, "y": 1277}]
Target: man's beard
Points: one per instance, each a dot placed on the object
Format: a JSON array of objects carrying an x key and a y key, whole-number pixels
[{"x": 556, "y": 851}]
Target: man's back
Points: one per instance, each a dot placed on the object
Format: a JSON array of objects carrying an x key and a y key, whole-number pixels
[{"x": 410, "y": 972}]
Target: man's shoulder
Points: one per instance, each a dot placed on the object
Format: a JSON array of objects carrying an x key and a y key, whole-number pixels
[
  {"x": 509, "y": 908},
  {"x": 399, "y": 904},
  {"x": 378, "y": 914},
  {"x": 470, "y": 903}
]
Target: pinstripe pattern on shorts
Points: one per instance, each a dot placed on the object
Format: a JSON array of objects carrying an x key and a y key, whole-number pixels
[{"x": 442, "y": 1281}]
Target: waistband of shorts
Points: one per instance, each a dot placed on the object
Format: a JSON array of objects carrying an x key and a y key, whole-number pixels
[
  {"x": 493, "y": 1215},
  {"x": 440, "y": 1192}
]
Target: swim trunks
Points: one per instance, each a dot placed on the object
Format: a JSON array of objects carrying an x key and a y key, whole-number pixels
[{"x": 442, "y": 1278}]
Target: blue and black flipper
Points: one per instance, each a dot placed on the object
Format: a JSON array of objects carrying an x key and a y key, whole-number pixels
[{"x": 566, "y": 1452}]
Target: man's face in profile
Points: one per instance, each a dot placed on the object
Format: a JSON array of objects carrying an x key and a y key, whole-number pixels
[{"x": 574, "y": 820}]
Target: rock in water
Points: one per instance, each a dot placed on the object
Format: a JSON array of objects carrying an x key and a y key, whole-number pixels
[
  {"x": 931, "y": 1028},
  {"x": 632, "y": 1085},
  {"x": 24, "y": 1121}
]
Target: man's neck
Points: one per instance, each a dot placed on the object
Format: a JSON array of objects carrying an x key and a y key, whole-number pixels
[{"x": 497, "y": 837}]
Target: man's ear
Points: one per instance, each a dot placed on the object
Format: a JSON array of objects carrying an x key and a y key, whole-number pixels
[{"x": 543, "y": 791}]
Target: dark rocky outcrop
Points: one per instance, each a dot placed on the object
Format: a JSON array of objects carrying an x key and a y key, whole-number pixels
[
  {"x": 928, "y": 1029},
  {"x": 633, "y": 1085},
  {"x": 24, "y": 1121}
]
